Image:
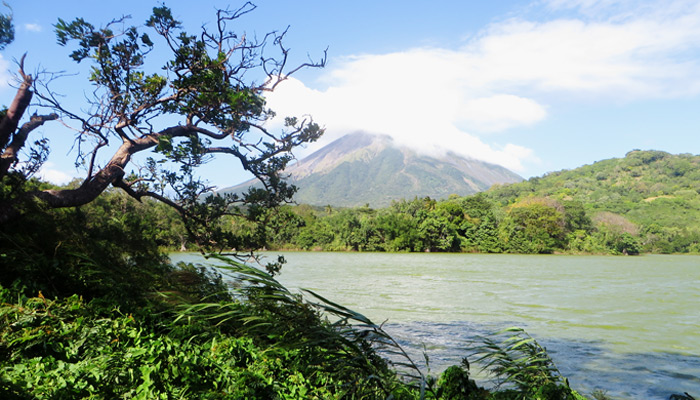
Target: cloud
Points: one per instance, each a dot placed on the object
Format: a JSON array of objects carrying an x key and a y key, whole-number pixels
[
  {"x": 501, "y": 112},
  {"x": 505, "y": 77},
  {"x": 32, "y": 27},
  {"x": 50, "y": 174},
  {"x": 424, "y": 118},
  {"x": 5, "y": 76},
  {"x": 391, "y": 94},
  {"x": 652, "y": 56}
]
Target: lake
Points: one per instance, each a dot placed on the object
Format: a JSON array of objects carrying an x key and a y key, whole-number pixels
[{"x": 629, "y": 326}]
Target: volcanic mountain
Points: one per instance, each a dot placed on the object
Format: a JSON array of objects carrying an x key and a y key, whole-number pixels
[{"x": 360, "y": 169}]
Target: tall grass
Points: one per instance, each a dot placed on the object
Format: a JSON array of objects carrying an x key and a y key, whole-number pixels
[
  {"x": 521, "y": 366},
  {"x": 352, "y": 345}
]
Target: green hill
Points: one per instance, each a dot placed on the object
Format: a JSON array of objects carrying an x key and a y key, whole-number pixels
[
  {"x": 646, "y": 186},
  {"x": 657, "y": 191}
]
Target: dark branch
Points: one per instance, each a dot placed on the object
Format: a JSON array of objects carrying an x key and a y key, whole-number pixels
[
  {"x": 138, "y": 195},
  {"x": 9, "y": 156},
  {"x": 19, "y": 105}
]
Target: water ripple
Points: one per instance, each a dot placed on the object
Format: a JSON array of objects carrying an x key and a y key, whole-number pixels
[{"x": 589, "y": 365}]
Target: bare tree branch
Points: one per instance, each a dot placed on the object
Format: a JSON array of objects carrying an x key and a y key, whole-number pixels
[
  {"x": 138, "y": 195},
  {"x": 9, "y": 156},
  {"x": 19, "y": 105},
  {"x": 93, "y": 157}
]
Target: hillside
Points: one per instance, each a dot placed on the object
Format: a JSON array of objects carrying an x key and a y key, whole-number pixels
[
  {"x": 647, "y": 201},
  {"x": 645, "y": 186},
  {"x": 360, "y": 169}
]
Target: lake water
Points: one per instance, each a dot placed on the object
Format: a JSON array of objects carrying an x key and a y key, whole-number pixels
[{"x": 629, "y": 326}]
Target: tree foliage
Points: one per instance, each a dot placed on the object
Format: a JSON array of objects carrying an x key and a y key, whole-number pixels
[
  {"x": 7, "y": 30},
  {"x": 206, "y": 99}
]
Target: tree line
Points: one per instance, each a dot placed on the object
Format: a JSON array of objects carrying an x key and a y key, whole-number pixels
[
  {"x": 481, "y": 223},
  {"x": 648, "y": 201},
  {"x": 534, "y": 225}
]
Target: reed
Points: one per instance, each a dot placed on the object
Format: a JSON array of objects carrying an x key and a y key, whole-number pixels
[{"x": 520, "y": 366}]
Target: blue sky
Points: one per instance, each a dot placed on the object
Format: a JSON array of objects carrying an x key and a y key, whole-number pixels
[{"x": 536, "y": 86}]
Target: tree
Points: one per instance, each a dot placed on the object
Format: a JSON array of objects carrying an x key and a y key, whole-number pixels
[
  {"x": 207, "y": 99},
  {"x": 438, "y": 233},
  {"x": 7, "y": 30},
  {"x": 480, "y": 225},
  {"x": 617, "y": 233},
  {"x": 533, "y": 225}
]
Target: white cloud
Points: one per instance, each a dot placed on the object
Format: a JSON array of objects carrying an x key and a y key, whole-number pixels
[
  {"x": 50, "y": 174},
  {"x": 32, "y": 27},
  {"x": 501, "y": 112},
  {"x": 414, "y": 113},
  {"x": 641, "y": 57},
  {"x": 432, "y": 98},
  {"x": 5, "y": 75}
]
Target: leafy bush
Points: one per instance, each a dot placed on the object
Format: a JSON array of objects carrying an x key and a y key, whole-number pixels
[
  {"x": 69, "y": 349},
  {"x": 267, "y": 344}
]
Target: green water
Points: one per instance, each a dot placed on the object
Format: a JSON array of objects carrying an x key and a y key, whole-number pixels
[{"x": 628, "y": 325}]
